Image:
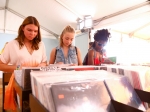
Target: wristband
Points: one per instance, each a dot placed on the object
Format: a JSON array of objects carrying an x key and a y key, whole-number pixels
[{"x": 18, "y": 67}]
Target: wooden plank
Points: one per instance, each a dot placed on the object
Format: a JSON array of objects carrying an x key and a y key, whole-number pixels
[
  {"x": 144, "y": 95},
  {"x": 36, "y": 106},
  {"x": 23, "y": 94},
  {"x": 120, "y": 107},
  {"x": 5, "y": 80},
  {"x": 6, "y": 77}
]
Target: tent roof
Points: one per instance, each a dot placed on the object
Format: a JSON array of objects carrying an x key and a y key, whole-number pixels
[{"x": 54, "y": 15}]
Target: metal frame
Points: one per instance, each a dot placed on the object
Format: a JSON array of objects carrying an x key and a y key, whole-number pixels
[{"x": 6, "y": 8}]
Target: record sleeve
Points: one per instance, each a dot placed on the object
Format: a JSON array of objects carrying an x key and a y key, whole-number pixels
[
  {"x": 81, "y": 97},
  {"x": 121, "y": 90}
]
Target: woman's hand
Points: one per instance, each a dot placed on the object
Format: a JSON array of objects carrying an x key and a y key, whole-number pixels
[
  {"x": 42, "y": 64},
  {"x": 108, "y": 61},
  {"x": 60, "y": 63},
  {"x": 73, "y": 65}
]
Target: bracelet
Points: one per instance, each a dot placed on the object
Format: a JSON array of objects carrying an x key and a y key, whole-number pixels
[{"x": 18, "y": 67}]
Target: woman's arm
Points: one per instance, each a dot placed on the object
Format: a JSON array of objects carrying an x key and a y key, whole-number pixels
[
  {"x": 79, "y": 57},
  {"x": 44, "y": 57},
  {"x": 107, "y": 61},
  {"x": 52, "y": 56},
  {"x": 43, "y": 64},
  {"x": 7, "y": 68},
  {"x": 90, "y": 57}
]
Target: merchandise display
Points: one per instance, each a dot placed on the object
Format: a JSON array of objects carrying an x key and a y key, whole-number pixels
[{"x": 121, "y": 90}]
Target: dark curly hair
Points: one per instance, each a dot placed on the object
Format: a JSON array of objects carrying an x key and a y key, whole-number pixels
[
  {"x": 102, "y": 35},
  {"x": 91, "y": 43}
]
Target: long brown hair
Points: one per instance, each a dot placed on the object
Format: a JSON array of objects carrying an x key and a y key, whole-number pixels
[
  {"x": 66, "y": 29},
  {"x": 21, "y": 36}
]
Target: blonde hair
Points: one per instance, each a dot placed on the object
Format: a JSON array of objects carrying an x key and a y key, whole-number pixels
[{"x": 66, "y": 29}]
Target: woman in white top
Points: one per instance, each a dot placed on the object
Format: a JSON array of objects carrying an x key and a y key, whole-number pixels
[{"x": 26, "y": 49}]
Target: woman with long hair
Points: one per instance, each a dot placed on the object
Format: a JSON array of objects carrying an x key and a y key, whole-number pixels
[
  {"x": 26, "y": 50},
  {"x": 66, "y": 53},
  {"x": 96, "y": 51}
]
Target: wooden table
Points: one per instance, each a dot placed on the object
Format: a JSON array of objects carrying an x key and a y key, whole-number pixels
[
  {"x": 5, "y": 80},
  {"x": 35, "y": 105},
  {"x": 23, "y": 95}
]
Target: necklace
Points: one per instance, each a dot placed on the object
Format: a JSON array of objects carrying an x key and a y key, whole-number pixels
[{"x": 100, "y": 51}]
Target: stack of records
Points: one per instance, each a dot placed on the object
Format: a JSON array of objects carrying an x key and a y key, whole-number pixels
[
  {"x": 121, "y": 91},
  {"x": 42, "y": 82},
  {"x": 81, "y": 97},
  {"x": 81, "y": 68},
  {"x": 23, "y": 77},
  {"x": 18, "y": 76}
]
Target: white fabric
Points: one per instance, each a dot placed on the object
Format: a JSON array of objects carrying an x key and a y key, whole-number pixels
[{"x": 15, "y": 56}]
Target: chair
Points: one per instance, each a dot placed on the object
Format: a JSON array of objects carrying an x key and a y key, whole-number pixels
[{"x": 5, "y": 80}]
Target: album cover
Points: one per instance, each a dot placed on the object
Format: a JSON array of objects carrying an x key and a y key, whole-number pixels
[
  {"x": 18, "y": 76},
  {"x": 81, "y": 97},
  {"x": 42, "y": 81},
  {"x": 121, "y": 90},
  {"x": 26, "y": 81}
]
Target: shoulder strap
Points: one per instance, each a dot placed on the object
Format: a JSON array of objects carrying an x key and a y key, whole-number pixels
[
  {"x": 94, "y": 56},
  {"x": 85, "y": 61},
  {"x": 94, "y": 53},
  {"x": 56, "y": 51},
  {"x": 76, "y": 50}
]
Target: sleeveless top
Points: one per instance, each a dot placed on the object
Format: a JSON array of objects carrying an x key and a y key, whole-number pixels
[
  {"x": 96, "y": 60},
  {"x": 71, "y": 58}
]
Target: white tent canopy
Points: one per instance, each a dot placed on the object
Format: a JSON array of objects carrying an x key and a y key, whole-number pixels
[{"x": 130, "y": 17}]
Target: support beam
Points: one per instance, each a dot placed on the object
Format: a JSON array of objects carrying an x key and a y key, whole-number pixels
[
  {"x": 6, "y": 5},
  {"x": 68, "y": 8},
  {"x": 121, "y": 12},
  {"x": 23, "y": 17},
  {"x": 148, "y": 39},
  {"x": 2, "y": 8},
  {"x": 57, "y": 36},
  {"x": 132, "y": 33},
  {"x": 16, "y": 13}
]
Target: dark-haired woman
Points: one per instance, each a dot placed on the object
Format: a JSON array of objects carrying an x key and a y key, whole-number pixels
[
  {"x": 95, "y": 53},
  {"x": 90, "y": 44}
]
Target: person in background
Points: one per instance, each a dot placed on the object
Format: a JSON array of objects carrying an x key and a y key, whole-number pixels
[
  {"x": 96, "y": 52},
  {"x": 90, "y": 44},
  {"x": 26, "y": 50},
  {"x": 104, "y": 51},
  {"x": 65, "y": 53}
]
